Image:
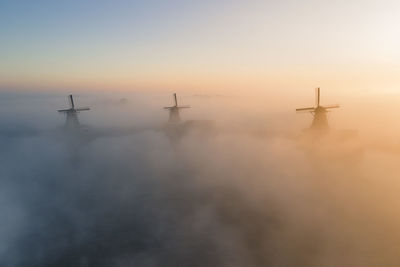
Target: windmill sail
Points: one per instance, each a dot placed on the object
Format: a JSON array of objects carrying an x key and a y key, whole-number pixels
[
  {"x": 331, "y": 106},
  {"x": 71, "y": 102},
  {"x": 82, "y": 109},
  {"x": 317, "y": 97},
  {"x": 305, "y": 109},
  {"x": 174, "y": 116},
  {"x": 320, "y": 120},
  {"x": 72, "y": 121}
]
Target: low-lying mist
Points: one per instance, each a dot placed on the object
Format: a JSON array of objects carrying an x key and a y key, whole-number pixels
[{"x": 248, "y": 194}]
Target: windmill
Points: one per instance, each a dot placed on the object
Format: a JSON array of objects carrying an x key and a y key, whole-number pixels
[
  {"x": 72, "y": 121},
  {"x": 174, "y": 111},
  {"x": 320, "y": 121}
]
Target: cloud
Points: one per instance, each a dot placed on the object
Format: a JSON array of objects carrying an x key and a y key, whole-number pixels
[{"x": 229, "y": 199}]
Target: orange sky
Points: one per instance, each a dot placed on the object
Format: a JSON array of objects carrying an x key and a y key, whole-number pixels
[{"x": 216, "y": 46}]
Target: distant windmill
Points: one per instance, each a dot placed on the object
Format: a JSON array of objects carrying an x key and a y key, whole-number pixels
[
  {"x": 320, "y": 121},
  {"x": 72, "y": 121},
  {"x": 174, "y": 111}
]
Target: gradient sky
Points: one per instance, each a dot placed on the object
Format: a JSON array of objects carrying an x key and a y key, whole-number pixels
[{"x": 200, "y": 45}]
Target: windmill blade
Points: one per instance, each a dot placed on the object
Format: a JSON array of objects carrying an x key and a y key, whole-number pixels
[
  {"x": 176, "y": 100},
  {"x": 305, "y": 109},
  {"x": 82, "y": 109},
  {"x": 331, "y": 106},
  {"x": 71, "y": 101},
  {"x": 64, "y": 110},
  {"x": 317, "y": 97},
  {"x": 183, "y": 107},
  {"x": 169, "y": 107}
]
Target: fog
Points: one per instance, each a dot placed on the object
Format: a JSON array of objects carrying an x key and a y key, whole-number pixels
[{"x": 251, "y": 192}]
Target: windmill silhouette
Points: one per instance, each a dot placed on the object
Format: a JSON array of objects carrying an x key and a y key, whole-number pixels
[
  {"x": 174, "y": 116},
  {"x": 72, "y": 121},
  {"x": 320, "y": 121}
]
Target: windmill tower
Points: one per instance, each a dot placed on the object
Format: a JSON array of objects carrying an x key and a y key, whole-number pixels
[
  {"x": 72, "y": 121},
  {"x": 319, "y": 112},
  {"x": 174, "y": 111}
]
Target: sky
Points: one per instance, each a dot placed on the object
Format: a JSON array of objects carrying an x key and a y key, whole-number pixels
[{"x": 200, "y": 46}]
